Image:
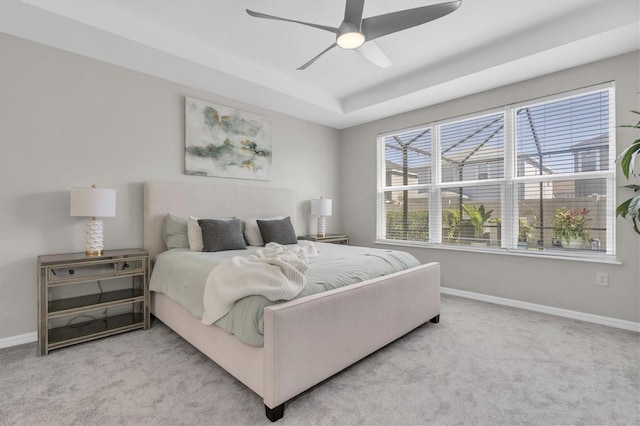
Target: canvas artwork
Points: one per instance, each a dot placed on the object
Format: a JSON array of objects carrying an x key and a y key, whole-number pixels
[{"x": 226, "y": 142}]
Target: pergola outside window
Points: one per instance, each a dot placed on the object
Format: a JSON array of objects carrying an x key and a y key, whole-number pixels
[{"x": 537, "y": 177}]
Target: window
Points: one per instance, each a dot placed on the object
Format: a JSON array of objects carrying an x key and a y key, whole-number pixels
[
  {"x": 538, "y": 176},
  {"x": 407, "y": 175}
]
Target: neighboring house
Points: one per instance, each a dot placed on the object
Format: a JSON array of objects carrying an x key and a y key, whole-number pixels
[
  {"x": 395, "y": 177},
  {"x": 487, "y": 162},
  {"x": 589, "y": 156}
]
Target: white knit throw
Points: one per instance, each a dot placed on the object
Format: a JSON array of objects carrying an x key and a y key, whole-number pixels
[{"x": 276, "y": 272}]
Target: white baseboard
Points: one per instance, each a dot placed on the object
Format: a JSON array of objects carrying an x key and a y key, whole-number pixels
[
  {"x": 21, "y": 339},
  {"x": 581, "y": 316}
]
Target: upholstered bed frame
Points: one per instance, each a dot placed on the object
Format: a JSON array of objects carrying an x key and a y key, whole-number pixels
[{"x": 306, "y": 340}]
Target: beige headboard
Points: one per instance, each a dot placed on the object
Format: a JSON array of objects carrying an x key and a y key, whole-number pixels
[{"x": 209, "y": 201}]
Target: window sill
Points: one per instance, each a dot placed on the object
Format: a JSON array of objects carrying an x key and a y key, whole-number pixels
[{"x": 583, "y": 256}]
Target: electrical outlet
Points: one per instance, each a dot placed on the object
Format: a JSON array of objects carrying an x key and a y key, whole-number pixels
[{"x": 602, "y": 278}]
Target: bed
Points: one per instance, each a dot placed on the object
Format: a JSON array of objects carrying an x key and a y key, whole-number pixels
[{"x": 308, "y": 339}]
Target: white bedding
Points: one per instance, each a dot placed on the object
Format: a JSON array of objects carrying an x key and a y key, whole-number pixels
[
  {"x": 276, "y": 272},
  {"x": 182, "y": 276}
]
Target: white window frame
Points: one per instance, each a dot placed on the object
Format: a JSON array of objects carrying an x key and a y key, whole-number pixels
[
  {"x": 507, "y": 184},
  {"x": 381, "y": 225}
]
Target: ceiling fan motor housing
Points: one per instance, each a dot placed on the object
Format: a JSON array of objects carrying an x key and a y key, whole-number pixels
[{"x": 350, "y": 37}]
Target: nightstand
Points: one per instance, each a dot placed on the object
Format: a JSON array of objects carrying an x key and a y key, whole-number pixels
[
  {"x": 329, "y": 238},
  {"x": 73, "y": 306}
]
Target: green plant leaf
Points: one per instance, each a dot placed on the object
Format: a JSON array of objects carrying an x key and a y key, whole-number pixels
[
  {"x": 478, "y": 217},
  {"x": 634, "y": 206},
  {"x": 623, "y": 208},
  {"x": 631, "y": 208},
  {"x": 627, "y": 158}
]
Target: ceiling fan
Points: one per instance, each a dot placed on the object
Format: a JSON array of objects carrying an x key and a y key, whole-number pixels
[{"x": 357, "y": 33}]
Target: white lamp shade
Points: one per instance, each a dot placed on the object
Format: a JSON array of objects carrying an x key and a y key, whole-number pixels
[
  {"x": 321, "y": 207},
  {"x": 94, "y": 202}
]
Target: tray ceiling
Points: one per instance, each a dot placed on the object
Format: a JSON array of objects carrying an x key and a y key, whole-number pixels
[{"x": 216, "y": 46}]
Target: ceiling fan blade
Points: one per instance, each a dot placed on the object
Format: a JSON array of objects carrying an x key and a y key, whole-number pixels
[
  {"x": 381, "y": 25},
  {"x": 353, "y": 12},
  {"x": 302, "y": 67},
  {"x": 372, "y": 52},
  {"x": 276, "y": 18}
]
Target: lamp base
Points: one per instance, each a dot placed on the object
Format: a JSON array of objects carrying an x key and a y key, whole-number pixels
[
  {"x": 322, "y": 227},
  {"x": 93, "y": 237}
]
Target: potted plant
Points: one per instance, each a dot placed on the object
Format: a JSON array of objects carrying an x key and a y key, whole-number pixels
[
  {"x": 451, "y": 220},
  {"x": 478, "y": 218},
  {"x": 524, "y": 233},
  {"x": 571, "y": 227},
  {"x": 631, "y": 207}
]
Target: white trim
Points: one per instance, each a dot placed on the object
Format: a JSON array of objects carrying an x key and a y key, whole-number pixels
[
  {"x": 565, "y": 313},
  {"x": 7, "y": 342},
  {"x": 545, "y": 254}
]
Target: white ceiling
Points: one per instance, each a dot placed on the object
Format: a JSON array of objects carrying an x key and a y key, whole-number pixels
[{"x": 215, "y": 46}]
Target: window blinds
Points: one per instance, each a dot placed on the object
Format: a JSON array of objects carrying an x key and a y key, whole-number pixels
[
  {"x": 564, "y": 170},
  {"x": 502, "y": 179},
  {"x": 406, "y": 173}
]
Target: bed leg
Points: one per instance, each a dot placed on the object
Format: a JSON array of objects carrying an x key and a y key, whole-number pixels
[
  {"x": 435, "y": 319},
  {"x": 274, "y": 414}
]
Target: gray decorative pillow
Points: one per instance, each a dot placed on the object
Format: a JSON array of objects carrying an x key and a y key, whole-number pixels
[
  {"x": 277, "y": 231},
  {"x": 251, "y": 231},
  {"x": 222, "y": 234},
  {"x": 174, "y": 232}
]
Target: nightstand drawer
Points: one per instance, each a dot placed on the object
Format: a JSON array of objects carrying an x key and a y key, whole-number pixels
[
  {"x": 73, "y": 271},
  {"x": 69, "y": 273}
]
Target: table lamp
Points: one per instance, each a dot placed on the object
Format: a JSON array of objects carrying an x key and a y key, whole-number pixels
[
  {"x": 93, "y": 202},
  {"x": 321, "y": 208}
]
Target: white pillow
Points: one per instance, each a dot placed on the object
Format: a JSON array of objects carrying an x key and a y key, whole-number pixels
[
  {"x": 194, "y": 234},
  {"x": 252, "y": 232}
]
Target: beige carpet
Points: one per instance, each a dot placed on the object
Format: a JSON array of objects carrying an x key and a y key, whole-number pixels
[{"x": 483, "y": 364}]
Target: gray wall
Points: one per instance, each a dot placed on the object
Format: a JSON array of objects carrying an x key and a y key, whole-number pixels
[
  {"x": 558, "y": 283},
  {"x": 66, "y": 121}
]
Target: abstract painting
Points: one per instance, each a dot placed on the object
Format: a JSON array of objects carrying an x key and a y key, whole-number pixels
[{"x": 225, "y": 142}]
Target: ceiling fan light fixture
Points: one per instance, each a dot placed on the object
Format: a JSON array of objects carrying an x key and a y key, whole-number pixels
[
  {"x": 359, "y": 34},
  {"x": 350, "y": 40}
]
